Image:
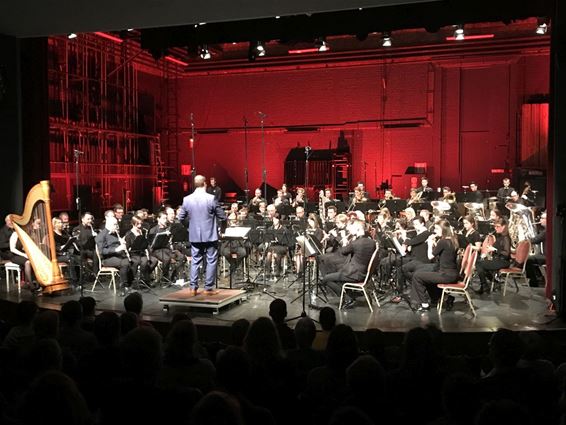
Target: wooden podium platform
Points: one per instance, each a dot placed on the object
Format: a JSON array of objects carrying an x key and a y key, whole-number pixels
[{"x": 208, "y": 302}]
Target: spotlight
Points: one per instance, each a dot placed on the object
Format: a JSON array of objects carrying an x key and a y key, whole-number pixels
[
  {"x": 459, "y": 32},
  {"x": 542, "y": 27},
  {"x": 257, "y": 49},
  {"x": 320, "y": 44},
  {"x": 386, "y": 40},
  {"x": 72, "y": 35},
  {"x": 204, "y": 53}
]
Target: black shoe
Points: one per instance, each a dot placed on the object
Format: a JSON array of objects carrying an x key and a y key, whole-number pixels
[
  {"x": 479, "y": 291},
  {"x": 449, "y": 303},
  {"x": 349, "y": 303},
  {"x": 423, "y": 308}
]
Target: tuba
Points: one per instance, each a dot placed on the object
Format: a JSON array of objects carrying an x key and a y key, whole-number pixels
[{"x": 35, "y": 231}]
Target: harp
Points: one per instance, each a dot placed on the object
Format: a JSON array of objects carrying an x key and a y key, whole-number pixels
[{"x": 35, "y": 231}]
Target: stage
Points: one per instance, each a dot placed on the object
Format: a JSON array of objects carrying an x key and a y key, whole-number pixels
[{"x": 522, "y": 311}]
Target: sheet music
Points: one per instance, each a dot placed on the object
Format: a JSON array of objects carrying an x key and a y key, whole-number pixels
[{"x": 237, "y": 232}]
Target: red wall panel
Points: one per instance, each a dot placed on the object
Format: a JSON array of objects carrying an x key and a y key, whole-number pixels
[{"x": 465, "y": 101}]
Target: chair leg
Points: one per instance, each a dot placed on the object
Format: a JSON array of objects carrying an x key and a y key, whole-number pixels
[
  {"x": 470, "y": 303},
  {"x": 439, "y": 306},
  {"x": 505, "y": 284},
  {"x": 367, "y": 299},
  {"x": 95, "y": 282},
  {"x": 341, "y": 298}
]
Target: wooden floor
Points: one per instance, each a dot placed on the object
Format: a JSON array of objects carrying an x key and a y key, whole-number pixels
[{"x": 523, "y": 310}]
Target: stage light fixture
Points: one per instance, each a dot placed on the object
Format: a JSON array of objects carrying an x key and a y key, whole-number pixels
[
  {"x": 72, "y": 35},
  {"x": 256, "y": 49},
  {"x": 459, "y": 32},
  {"x": 386, "y": 40},
  {"x": 204, "y": 53},
  {"x": 542, "y": 27},
  {"x": 320, "y": 44}
]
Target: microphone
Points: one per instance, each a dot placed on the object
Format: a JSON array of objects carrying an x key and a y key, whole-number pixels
[
  {"x": 261, "y": 114},
  {"x": 78, "y": 152}
]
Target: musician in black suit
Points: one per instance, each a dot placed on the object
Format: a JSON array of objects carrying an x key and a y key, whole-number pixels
[
  {"x": 360, "y": 251},
  {"x": 85, "y": 234},
  {"x": 504, "y": 193},
  {"x": 113, "y": 252},
  {"x": 426, "y": 194},
  {"x": 214, "y": 189},
  {"x": 137, "y": 243},
  {"x": 280, "y": 239},
  {"x": 539, "y": 257},
  {"x": 474, "y": 195}
]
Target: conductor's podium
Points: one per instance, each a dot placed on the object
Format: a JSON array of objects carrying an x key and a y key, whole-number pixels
[{"x": 215, "y": 302}]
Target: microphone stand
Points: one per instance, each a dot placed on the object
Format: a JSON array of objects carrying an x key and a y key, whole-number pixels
[
  {"x": 246, "y": 177},
  {"x": 193, "y": 168},
  {"x": 264, "y": 171},
  {"x": 77, "y": 153}
]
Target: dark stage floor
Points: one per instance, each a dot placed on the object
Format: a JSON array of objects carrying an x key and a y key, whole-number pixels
[{"x": 525, "y": 310}]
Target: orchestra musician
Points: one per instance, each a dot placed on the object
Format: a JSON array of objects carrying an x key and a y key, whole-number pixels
[
  {"x": 261, "y": 211},
  {"x": 65, "y": 249},
  {"x": 161, "y": 248},
  {"x": 281, "y": 241},
  {"x": 414, "y": 197},
  {"x": 113, "y": 252},
  {"x": 11, "y": 249},
  {"x": 474, "y": 195},
  {"x": 442, "y": 245},
  {"x": 255, "y": 201},
  {"x": 299, "y": 199},
  {"x": 504, "y": 193},
  {"x": 539, "y": 257},
  {"x": 426, "y": 194},
  {"x": 64, "y": 217},
  {"x": 528, "y": 196},
  {"x": 281, "y": 199},
  {"x": 427, "y": 215},
  {"x": 85, "y": 234},
  {"x": 362, "y": 188},
  {"x": 313, "y": 231},
  {"x": 358, "y": 253},
  {"x": 470, "y": 233},
  {"x": 286, "y": 193},
  {"x": 418, "y": 258},
  {"x": 330, "y": 220},
  {"x": 500, "y": 255},
  {"x": 359, "y": 197},
  {"x": 138, "y": 246},
  {"x": 214, "y": 189}
]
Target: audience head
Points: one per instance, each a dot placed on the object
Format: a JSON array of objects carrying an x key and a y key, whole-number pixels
[
  {"x": 342, "y": 347},
  {"x": 217, "y": 408},
  {"x": 26, "y": 312},
  {"x": 505, "y": 349},
  {"x": 350, "y": 415},
  {"x": 305, "y": 332},
  {"x": 46, "y": 324},
  {"x": 141, "y": 354},
  {"x": 262, "y": 341},
  {"x": 134, "y": 303},
  {"x": 179, "y": 346},
  {"x": 89, "y": 306},
  {"x": 278, "y": 310},
  {"x": 239, "y": 329},
  {"x": 327, "y": 318},
  {"x": 71, "y": 313},
  {"x": 46, "y": 355},
  {"x": 107, "y": 328},
  {"x": 128, "y": 322},
  {"x": 365, "y": 376},
  {"x": 233, "y": 369},
  {"x": 503, "y": 412},
  {"x": 52, "y": 389}
]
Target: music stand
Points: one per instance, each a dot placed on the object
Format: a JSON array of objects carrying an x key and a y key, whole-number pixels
[
  {"x": 161, "y": 241},
  {"x": 285, "y": 210},
  {"x": 238, "y": 234},
  {"x": 365, "y": 206},
  {"x": 395, "y": 206},
  {"x": 340, "y": 206}
]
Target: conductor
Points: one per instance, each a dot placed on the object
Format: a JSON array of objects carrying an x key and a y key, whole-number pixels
[{"x": 202, "y": 211}]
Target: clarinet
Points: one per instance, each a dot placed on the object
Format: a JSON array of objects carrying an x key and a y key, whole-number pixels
[{"x": 123, "y": 242}]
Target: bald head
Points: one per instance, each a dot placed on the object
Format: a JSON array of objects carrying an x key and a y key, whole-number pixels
[{"x": 200, "y": 181}]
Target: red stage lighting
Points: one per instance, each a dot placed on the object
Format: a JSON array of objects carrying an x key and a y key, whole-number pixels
[
  {"x": 176, "y": 61},
  {"x": 109, "y": 37},
  {"x": 472, "y": 37}
]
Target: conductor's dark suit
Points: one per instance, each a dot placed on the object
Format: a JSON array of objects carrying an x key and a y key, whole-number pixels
[
  {"x": 202, "y": 211},
  {"x": 355, "y": 269}
]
